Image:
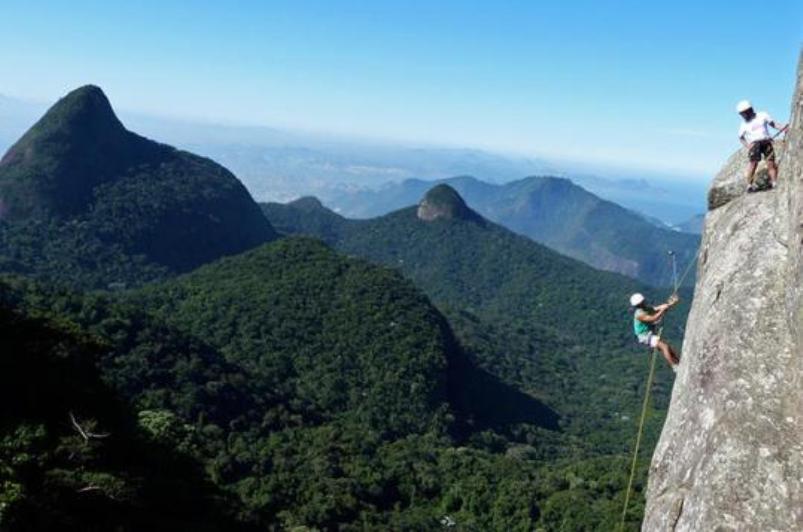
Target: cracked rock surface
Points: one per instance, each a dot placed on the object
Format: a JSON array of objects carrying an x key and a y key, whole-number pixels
[{"x": 730, "y": 457}]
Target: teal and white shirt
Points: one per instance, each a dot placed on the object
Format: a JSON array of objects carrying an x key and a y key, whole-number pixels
[{"x": 640, "y": 328}]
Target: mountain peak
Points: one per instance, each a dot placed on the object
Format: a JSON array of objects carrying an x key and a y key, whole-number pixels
[
  {"x": 77, "y": 145},
  {"x": 86, "y": 109},
  {"x": 79, "y": 163},
  {"x": 443, "y": 202},
  {"x": 308, "y": 204},
  {"x": 87, "y": 97}
]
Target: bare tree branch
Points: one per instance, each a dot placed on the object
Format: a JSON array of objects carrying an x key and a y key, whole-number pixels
[
  {"x": 85, "y": 434},
  {"x": 92, "y": 488}
]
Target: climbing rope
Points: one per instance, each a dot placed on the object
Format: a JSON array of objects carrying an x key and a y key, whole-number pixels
[
  {"x": 686, "y": 272},
  {"x": 646, "y": 401},
  {"x": 648, "y": 387}
]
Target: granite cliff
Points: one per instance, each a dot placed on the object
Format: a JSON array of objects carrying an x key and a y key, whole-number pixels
[{"x": 730, "y": 455}]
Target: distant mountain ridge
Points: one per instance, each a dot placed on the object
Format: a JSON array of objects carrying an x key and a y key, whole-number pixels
[
  {"x": 555, "y": 212},
  {"x": 79, "y": 175},
  {"x": 693, "y": 225}
]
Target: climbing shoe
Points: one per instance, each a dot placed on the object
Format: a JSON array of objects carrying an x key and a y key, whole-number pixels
[{"x": 751, "y": 189}]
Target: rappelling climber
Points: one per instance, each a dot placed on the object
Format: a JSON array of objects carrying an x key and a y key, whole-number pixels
[
  {"x": 754, "y": 134},
  {"x": 645, "y": 320}
]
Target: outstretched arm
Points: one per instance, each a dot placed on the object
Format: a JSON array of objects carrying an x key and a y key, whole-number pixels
[{"x": 652, "y": 318}]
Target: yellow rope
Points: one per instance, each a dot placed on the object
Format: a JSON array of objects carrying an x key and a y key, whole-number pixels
[
  {"x": 686, "y": 272},
  {"x": 646, "y": 401},
  {"x": 640, "y": 431}
]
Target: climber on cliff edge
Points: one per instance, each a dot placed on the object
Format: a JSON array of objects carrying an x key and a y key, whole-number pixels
[
  {"x": 645, "y": 321},
  {"x": 754, "y": 134}
]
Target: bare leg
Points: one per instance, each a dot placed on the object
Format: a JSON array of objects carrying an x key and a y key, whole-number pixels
[
  {"x": 668, "y": 353},
  {"x": 772, "y": 169},
  {"x": 751, "y": 171},
  {"x": 673, "y": 353}
]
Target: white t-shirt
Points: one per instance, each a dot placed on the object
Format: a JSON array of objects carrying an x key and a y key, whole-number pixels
[{"x": 757, "y": 128}]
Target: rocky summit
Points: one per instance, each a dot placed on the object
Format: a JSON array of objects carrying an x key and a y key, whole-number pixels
[
  {"x": 730, "y": 455},
  {"x": 443, "y": 202}
]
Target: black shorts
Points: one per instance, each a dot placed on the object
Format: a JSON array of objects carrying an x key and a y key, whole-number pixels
[{"x": 759, "y": 148}]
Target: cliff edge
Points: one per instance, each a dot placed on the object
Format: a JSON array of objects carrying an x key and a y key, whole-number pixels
[{"x": 730, "y": 457}]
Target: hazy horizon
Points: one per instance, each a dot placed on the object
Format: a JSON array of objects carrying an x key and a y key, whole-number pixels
[
  {"x": 630, "y": 85},
  {"x": 238, "y": 132}
]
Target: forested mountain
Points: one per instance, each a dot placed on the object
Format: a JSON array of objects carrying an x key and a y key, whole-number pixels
[
  {"x": 82, "y": 199},
  {"x": 539, "y": 320},
  {"x": 555, "y": 212},
  {"x": 284, "y": 384},
  {"x": 321, "y": 391},
  {"x": 317, "y": 390}
]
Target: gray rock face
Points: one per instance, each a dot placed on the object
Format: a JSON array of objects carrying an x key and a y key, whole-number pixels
[
  {"x": 730, "y": 457},
  {"x": 730, "y": 182}
]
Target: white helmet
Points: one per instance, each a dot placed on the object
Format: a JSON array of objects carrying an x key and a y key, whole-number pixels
[
  {"x": 743, "y": 106},
  {"x": 636, "y": 299}
]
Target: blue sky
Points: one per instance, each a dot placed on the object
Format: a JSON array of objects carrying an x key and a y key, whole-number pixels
[{"x": 629, "y": 83}]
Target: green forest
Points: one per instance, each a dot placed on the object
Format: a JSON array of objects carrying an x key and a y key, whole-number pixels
[{"x": 168, "y": 364}]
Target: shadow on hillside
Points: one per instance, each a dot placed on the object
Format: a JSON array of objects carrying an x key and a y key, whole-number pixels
[
  {"x": 482, "y": 401},
  {"x": 49, "y": 381}
]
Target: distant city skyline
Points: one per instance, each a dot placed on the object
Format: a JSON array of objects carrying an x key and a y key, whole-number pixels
[{"x": 608, "y": 83}]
